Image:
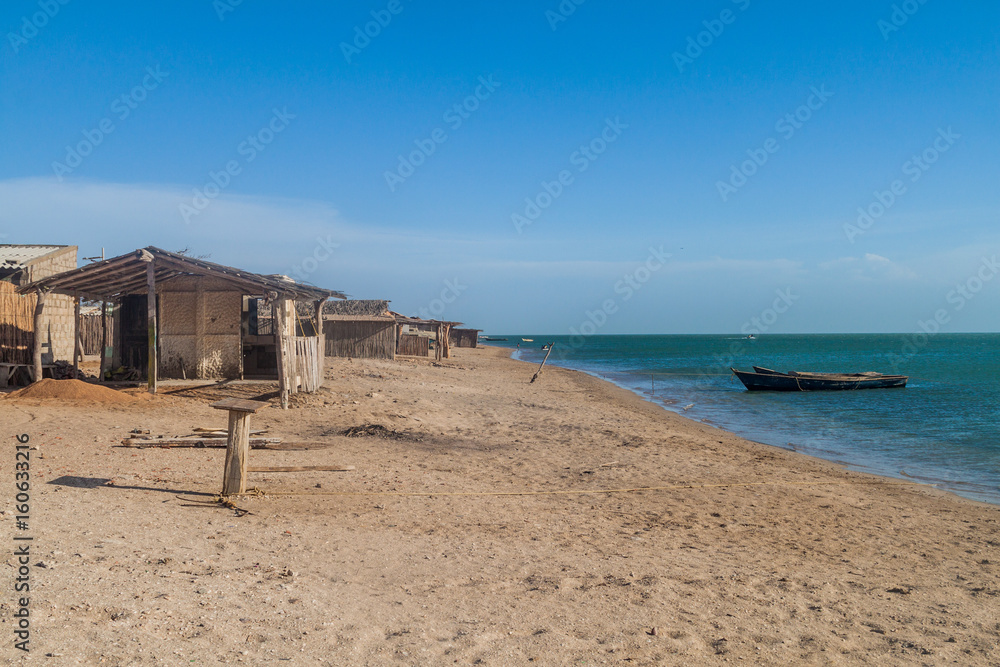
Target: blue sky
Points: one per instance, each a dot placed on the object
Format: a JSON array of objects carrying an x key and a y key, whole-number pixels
[{"x": 643, "y": 110}]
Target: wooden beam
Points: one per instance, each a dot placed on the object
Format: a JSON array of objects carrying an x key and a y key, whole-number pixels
[
  {"x": 151, "y": 322},
  {"x": 37, "y": 344}
]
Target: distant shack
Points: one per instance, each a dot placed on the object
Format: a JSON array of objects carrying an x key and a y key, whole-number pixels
[
  {"x": 465, "y": 337},
  {"x": 415, "y": 336},
  {"x": 360, "y": 329},
  {"x": 20, "y": 265}
]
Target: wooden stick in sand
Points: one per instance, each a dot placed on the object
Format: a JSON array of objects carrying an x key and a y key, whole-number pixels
[{"x": 539, "y": 371}]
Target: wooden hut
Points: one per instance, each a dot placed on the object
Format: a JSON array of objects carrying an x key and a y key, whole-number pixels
[
  {"x": 414, "y": 336},
  {"x": 193, "y": 328},
  {"x": 465, "y": 337},
  {"x": 19, "y": 265},
  {"x": 361, "y": 329}
]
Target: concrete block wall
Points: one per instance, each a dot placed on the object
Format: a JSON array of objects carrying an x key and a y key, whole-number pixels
[{"x": 58, "y": 326}]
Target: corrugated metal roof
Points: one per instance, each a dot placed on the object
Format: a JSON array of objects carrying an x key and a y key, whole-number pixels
[
  {"x": 127, "y": 274},
  {"x": 19, "y": 255}
]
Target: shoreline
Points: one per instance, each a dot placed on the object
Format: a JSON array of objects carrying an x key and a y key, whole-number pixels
[
  {"x": 951, "y": 487},
  {"x": 840, "y": 466},
  {"x": 843, "y": 466},
  {"x": 624, "y": 532}
]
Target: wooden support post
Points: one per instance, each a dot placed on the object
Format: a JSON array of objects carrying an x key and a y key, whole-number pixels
[
  {"x": 279, "y": 312},
  {"x": 321, "y": 343},
  {"x": 399, "y": 336},
  {"x": 77, "y": 343},
  {"x": 234, "y": 477},
  {"x": 319, "y": 317},
  {"x": 104, "y": 340},
  {"x": 151, "y": 321},
  {"x": 37, "y": 344}
]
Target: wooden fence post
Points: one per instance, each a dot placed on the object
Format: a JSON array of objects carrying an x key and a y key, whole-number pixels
[{"x": 234, "y": 479}]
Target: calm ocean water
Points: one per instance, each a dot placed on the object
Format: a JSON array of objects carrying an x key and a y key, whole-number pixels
[{"x": 941, "y": 429}]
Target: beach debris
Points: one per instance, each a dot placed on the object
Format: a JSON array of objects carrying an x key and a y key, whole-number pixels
[
  {"x": 653, "y": 631},
  {"x": 899, "y": 590},
  {"x": 373, "y": 431},
  {"x": 539, "y": 371},
  {"x": 688, "y": 407}
]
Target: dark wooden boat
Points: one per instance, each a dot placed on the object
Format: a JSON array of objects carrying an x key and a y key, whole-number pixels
[{"x": 764, "y": 379}]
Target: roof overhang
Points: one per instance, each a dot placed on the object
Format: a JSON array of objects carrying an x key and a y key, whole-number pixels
[{"x": 125, "y": 275}]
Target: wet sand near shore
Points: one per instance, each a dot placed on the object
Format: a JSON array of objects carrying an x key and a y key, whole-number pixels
[{"x": 495, "y": 522}]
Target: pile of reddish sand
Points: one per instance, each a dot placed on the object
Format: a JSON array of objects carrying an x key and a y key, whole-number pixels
[{"x": 71, "y": 389}]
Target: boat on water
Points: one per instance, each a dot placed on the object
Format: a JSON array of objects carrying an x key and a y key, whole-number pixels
[
  {"x": 765, "y": 379},
  {"x": 528, "y": 340}
]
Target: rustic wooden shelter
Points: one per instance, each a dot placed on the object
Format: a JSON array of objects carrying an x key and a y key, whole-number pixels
[
  {"x": 361, "y": 329},
  {"x": 19, "y": 265},
  {"x": 414, "y": 335},
  {"x": 193, "y": 328},
  {"x": 465, "y": 337}
]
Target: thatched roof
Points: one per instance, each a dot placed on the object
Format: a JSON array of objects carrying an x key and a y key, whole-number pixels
[
  {"x": 119, "y": 276},
  {"x": 403, "y": 319},
  {"x": 357, "y": 307}
]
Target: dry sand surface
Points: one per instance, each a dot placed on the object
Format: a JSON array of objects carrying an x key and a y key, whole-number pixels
[{"x": 743, "y": 552}]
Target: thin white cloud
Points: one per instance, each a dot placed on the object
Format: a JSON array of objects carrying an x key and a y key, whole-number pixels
[{"x": 869, "y": 268}]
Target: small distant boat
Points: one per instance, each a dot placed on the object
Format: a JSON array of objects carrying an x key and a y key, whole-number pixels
[
  {"x": 765, "y": 379},
  {"x": 528, "y": 340},
  {"x": 751, "y": 337}
]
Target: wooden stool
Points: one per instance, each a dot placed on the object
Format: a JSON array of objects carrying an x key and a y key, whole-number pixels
[{"x": 234, "y": 478}]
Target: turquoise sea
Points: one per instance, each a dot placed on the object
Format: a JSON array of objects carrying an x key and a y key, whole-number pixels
[{"x": 942, "y": 429}]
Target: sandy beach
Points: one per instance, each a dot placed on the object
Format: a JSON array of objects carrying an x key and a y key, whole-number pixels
[{"x": 500, "y": 523}]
